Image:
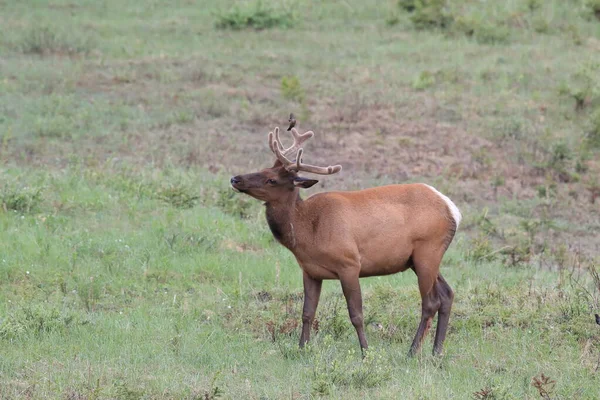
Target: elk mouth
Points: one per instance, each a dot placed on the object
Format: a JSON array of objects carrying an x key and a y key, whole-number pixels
[
  {"x": 236, "y": 183},
  {"x": 236, "y": 188}
]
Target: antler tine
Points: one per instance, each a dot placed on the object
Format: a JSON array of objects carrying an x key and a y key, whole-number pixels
[
  {"x": 271, "y": 141},
  {"x": 330, "y": 170},
  {"x": 298, "y": 140},
  {"x": 276, "y": 148},
  {"x": 278, "y": 140}
]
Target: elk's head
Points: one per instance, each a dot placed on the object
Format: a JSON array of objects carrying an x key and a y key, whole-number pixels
[{"x": 282, "y": 178}]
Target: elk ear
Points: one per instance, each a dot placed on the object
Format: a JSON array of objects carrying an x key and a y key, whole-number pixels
[{"x": 304, "y": 183}]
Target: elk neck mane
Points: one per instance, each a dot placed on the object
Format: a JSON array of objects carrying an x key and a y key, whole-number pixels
[{"x": 280, "y": 219}]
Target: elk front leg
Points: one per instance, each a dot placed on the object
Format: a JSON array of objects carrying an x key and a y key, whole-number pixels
[
  {"x": 351, "y": 289},
  {"x": 312, "y": 292}
]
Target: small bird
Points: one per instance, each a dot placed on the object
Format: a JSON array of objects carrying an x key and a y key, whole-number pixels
[
  {"x": 598, "y": 319},
  {"x": 292, "y": 121}
]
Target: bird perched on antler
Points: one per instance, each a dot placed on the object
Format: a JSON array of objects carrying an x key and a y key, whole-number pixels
[{"x": 292, "y": 121}]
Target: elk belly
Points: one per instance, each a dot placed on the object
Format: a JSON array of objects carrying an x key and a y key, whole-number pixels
[
  {"x": 314, "y": 269},
  {"x": 385, "y": 262}
]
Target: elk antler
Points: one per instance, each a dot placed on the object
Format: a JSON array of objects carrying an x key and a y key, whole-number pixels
[
  {"x": 282, "y": 154},
  {"x": 298, "y": 140}
]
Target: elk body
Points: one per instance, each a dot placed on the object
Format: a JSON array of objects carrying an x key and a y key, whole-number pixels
[{"x": 350, "y": 235}]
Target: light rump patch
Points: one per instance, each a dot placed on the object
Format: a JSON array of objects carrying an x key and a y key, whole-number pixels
[{"x": 456, "y": 215}]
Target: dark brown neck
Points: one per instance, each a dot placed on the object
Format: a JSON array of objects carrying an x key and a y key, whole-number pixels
[{"x": 280, "y": 216}]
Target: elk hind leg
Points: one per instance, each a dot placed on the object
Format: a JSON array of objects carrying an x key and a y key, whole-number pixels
[
  {"x": 427, "y": 271},
  {"x": 446, "y": 296}
]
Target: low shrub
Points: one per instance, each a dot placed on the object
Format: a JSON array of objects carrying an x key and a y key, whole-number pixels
[
  {"x": 20, "y": 199},
  {"x": 255, "y": 16},
  {"x": 47, "y": 40}
]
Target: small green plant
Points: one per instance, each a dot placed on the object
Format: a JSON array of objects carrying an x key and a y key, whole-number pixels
[
  {"x": 512, "y": 128},
  {"x": 57, "y": 126},
  {"x": 89, "y": 292},
  {"x": 392, "y": 19},
  {"x": 546, "y": 191},
  {"x": 540, "y": 24},
  {"x": 331, "y": 370},
  {"x": 497, "y": 182},
  {"x": 481, "y": 30},
  {"x": 583, "y": 86},
  {"x": 532, "y": 229},
  {"x": 561, "y": 255},
  {"x": 482, "y": 157},
  {"x": 257, "y": 16},
  {"x": 560, "y": 159},
  {"x": 533, "y": 5},
  {"x": 431, "y": 14},
  {"x": 593, "y": 133},
  {"x": 335, "y": 321},
  {"x": 46, "y": 40},
  {"x": 36, "y": 320},
  {"x": 291, "y": 89},
  {"x": 593, "y": 185},
  {"x": 594, "y": 7},
  {"x": 125, "y": 392},
  {"x": 175, "y": 341},
  {"x": 575, "y": 35},
  {"x": 492, "y": 34},
  {"x": 485, "y": 223},
  {"x": 178, "y": 196},
  {"x": 481, "y": 250},
  {"x": 20, "y": 199},
  {"x": 233, "y": 204},
  {"x": 561, "y": 153},
  {"x": 517, "y": 254},
  {"x": 581, "y": 164},
  {"x": 408, "y": 5},
  {"x": 181, "y": 117},
  {"x": 423, "y": 81},
  {"x": 214, "y": 392}
]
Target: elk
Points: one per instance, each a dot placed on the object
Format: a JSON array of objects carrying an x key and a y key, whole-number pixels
[{"x": 347, "y": 235}]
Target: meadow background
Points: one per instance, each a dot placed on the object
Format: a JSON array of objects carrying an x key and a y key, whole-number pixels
[{"x": 130, "y": 270}]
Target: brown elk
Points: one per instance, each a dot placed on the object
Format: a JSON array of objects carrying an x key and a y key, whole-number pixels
[{"x": 350, "y": 235}]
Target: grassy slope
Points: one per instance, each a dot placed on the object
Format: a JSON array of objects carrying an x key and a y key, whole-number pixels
[{"x": 110, "y": 287}]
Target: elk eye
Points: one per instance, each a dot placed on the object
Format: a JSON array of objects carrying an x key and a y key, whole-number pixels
[{"x": 271, "y": 181}]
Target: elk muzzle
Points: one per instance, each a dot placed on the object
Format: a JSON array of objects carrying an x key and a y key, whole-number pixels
[{"x": 236, "y": 183}]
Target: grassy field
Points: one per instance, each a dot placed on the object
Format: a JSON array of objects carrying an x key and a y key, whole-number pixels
[{"x": 130, "y": 270}]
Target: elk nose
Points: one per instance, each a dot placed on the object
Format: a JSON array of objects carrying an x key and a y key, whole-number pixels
[{"x": 235, "y": 180}]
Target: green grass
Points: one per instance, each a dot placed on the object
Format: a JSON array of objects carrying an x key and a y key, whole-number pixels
[
  {"x": 107, "y": 288},
  {"x": 130, "y": 270}
]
